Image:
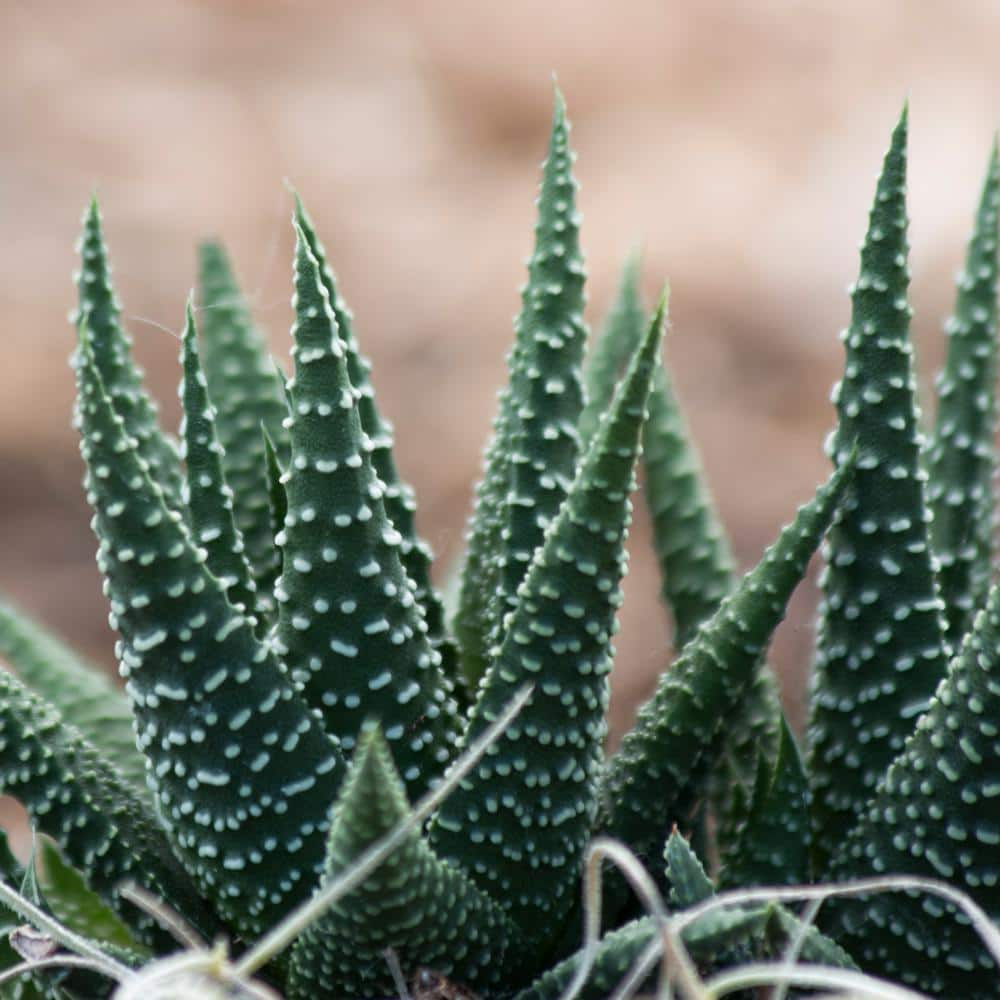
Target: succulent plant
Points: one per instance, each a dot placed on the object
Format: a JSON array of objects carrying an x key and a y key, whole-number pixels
[{"x": 293, "y": 683}]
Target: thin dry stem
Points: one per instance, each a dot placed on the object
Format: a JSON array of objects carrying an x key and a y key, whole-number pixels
[
  {"x": 166, "y": 916},
  {"x": 675, "y": 963},
  {"x": 40, "y": 920},
  {"x": 857, "y": 984},
  {"x": 60, "y": 961}
]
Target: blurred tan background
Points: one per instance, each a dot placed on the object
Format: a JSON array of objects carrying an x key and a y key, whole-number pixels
[{"x": 737, "y": 142}]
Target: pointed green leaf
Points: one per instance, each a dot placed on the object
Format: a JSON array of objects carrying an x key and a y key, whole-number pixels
[
  {"x": 696, "y": 566},
  {"x": 676, "y": 737},
  {"x": 428, "y": 912},
  {"x": 79, "y": 689},
  {"x": 246, "y": 392},
  {"x": 398, "y": 498},
  {"x": 241, "y": 769},
  {"x": 206, "y": 493},
  {"x": 546, "y": 377},
  {"x": 936, "y": 812},
  {"x": 520, "y": 822},
  {"x": 277, "y": 504},
  {"x": 718, "y": 932},
  {"x": 773, "y": 847},
  {"x": 276, "y": 499},
  {"x": 473, "y": 619},
  {"x": 689, "y": 885},
  {"x": 880, "y": 646},
  {"x": 100, "y": 311},
  {"x": 76, "y": 797},
  {"x": 696, "y": 573},
  {"x": 532, "y": 458},
  {"x": 961, "y": 455},
  {"x": 349, "y": 626},
  {"x": 607, "y": 358}
]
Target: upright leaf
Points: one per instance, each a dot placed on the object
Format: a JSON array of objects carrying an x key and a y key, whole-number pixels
[
  {"x": 936, "y": 812},
  {"x": 961, "y": 455},
  {"x": 880, "y": 648},
  {"x": 658, "y": 773},
  {"x": 520, "y": 822},
  {"x": 533, "y": 455},
  {"x": 206, "y": 493},
  {"x": 398, "y": 497},
  {"x": 241, "y": 769},
  {"x": 546, "y": 375},
  {"x": 696, "y": 573},
  {"x": 349, "y": 626},
  {"x": 100, "y": 312},
  {"x": 696, "y": 565},
  {"x": 246, "y": 392},
  {"x": 277, "y": 504},
  {"x": 616, "y": 342},
  {"x": 78, "y": 689},
  {"x": 773, "y": 848},
  {"x": 428, "y": 912}
]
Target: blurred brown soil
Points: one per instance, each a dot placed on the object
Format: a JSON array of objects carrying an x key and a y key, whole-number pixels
[{"x": 738, "y": 143}]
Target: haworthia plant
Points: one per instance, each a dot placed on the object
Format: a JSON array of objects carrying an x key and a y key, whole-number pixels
[
  {"x": 292, "y": 684},
  {"x": 960, "y": 454},
  {"x": 881, "y": 647}
]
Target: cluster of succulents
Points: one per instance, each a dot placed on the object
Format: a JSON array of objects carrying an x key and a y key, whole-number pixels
[{"x": 294, "y": 683}]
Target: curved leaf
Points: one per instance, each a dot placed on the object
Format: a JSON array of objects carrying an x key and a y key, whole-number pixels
[{"x": 654, "y": 778}]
